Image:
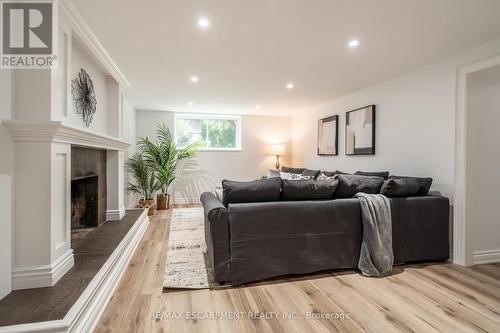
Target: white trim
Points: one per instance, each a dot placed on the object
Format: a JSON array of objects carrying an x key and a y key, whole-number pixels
[
  {"x": 42, "y": 276},
  {"x": 115, "y": 215},
  {"x": 84, "y": 35},
  {"x": 56, "y": 131},
  {"x": 462, "y": 246},
  {"x": 486, "y": 257},
  {"x": 237, "y": 118},
  {"x": 85, "y": 313}
]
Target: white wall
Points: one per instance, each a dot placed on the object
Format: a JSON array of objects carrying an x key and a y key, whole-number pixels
[
  {"x": 483, "y": 162},
  {"x": 210, "y": 167},
  {"x": 6, "y": 176},
  {"x": 415, "y": 123},
  {"x": 129, "y": 135},
  {"x": 79, "y": 60}
]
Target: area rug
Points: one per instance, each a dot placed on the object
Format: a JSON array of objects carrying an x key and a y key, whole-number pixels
[{"x": 187, "y": 264}]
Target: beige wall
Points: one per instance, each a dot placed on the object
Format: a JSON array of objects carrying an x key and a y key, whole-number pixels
[
  {"x": 210, "y": 167},
  {"x": 483, "y": 163}
]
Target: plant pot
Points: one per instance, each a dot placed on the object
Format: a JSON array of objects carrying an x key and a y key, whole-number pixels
[
  {"x": 150, "y": 204},
  {"x": 162, "y": 201}
]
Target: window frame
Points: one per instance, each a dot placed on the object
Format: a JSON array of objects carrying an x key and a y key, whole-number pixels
[{"x": 193, "y": 116}]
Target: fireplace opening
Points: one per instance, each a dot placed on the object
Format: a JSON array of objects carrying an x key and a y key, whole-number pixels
[
  {"x": 88, "y": 191},
  {"x": 84, "y": 210}
]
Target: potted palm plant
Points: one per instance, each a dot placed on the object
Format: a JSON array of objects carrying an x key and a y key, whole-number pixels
[
  {"x": 163, "y": 156},
  {"x": 145, "y": 181}
]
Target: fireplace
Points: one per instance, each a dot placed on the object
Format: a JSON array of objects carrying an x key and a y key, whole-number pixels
[
  {"x": 88, "y": 188},
  {"x": 84, "y": 202}
]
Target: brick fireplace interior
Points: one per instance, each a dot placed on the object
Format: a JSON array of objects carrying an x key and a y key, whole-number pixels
[{"x": 88, "y": 190}]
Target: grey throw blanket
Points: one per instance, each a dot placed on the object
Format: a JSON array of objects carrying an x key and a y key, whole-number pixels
[{"x": 376, "y": 257}]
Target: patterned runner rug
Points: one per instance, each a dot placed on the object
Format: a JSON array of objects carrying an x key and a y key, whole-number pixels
[{"x": 187, "y": 260}]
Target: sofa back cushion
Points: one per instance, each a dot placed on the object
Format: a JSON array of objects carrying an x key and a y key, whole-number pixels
[
  {"x": 254, "y": 191},
  {"x": 383, "y": 174},
  {"x": 308, "y": 189},
  {"x": 349, "y": 185},
  {"x": 425, "y": 183},
  {"x": 400, "y": 187}
]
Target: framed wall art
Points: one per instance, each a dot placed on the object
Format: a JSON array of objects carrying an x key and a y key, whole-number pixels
[
  {"x": 328, "y": 129},
  {"x": 360, "y": 131}
]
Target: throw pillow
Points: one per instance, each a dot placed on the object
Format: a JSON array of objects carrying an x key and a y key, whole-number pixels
[
  {"x": 333, "y": 173},
  {"x": 293, "y": 176},
  {"x": 322, "y": 176},
  {"x": 383, "y": 174},
  {"x": 311, "y": 173},
  {"x": 254, "y": 191},
  {"x": 308, "y": 189},
  {"x": 219, "y": 192},
  {"x": 292, "y": 170},
  {"x": 273, "y": 173},
  {"x": 349, "y": 185},
  {"x": 401, "y": 187},
  {"x": 425, "y": 183}
]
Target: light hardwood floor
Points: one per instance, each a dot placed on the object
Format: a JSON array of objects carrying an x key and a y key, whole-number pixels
[{"x": 416, "y": 298}]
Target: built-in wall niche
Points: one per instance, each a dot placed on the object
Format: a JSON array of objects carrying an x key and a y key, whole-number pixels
[{"x": 107, "y": 119}]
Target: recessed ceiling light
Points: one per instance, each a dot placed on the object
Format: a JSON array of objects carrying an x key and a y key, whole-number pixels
[
  {"x": 203, "y": 23},
  {"x": 258, "y": 107},
  {"x": 194, "y": 79},
  {"x": 289, "y": 85},
  {"x": 353, "y": 43},
  {"x": 191, "y": 103}
]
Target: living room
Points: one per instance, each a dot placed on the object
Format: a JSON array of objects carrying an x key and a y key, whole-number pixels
[{"x": 238, "y": 166}]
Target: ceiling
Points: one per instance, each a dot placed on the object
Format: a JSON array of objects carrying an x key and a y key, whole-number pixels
[{"x": 253, "y": 48}]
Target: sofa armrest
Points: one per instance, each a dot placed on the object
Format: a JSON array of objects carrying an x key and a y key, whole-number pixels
[{"x": 217, "y": 235}]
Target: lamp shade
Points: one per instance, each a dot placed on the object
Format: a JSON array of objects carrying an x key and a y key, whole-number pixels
[{"x": 277, "y": 150}]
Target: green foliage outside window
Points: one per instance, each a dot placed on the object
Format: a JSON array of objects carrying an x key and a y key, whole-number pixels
[{"x": 213, "y": 133}]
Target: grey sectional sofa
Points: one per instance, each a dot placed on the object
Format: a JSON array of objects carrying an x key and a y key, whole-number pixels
[{"x": 251, "y": 241}]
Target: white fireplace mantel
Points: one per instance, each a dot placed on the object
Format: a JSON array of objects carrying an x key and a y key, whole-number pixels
[
  {"x": 56, "y": 131},
  {"x": 43, "y": 171}
]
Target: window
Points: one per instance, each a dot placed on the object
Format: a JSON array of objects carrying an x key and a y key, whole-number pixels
[{"x": 215, "y": 132}]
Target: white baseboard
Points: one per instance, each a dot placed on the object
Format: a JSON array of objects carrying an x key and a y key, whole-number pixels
[
  {"x": 42, "y": 276},
  {"x": 115, "y": 214},
  {"x": 486, "y": 257},
  {"x": 85, "y": 313}
]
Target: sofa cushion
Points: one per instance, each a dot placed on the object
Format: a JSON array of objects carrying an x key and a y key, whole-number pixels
[
  {"x": 254, "y": 191},
  {"x": 383, "y": 174},
  {"x": 425, "y": 183},
  {"x": 401, "y": 187},
  {"x": 308, "y": 189},
  {"x": 349, "y": 185},
  {"x": 310, "y": 173},
  {"x": 292, "y": 170}
]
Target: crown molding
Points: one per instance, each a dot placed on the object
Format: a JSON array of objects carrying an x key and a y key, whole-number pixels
[
  {"x": 83, "y": 34},
  {"x": 56, "y": 131}
]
